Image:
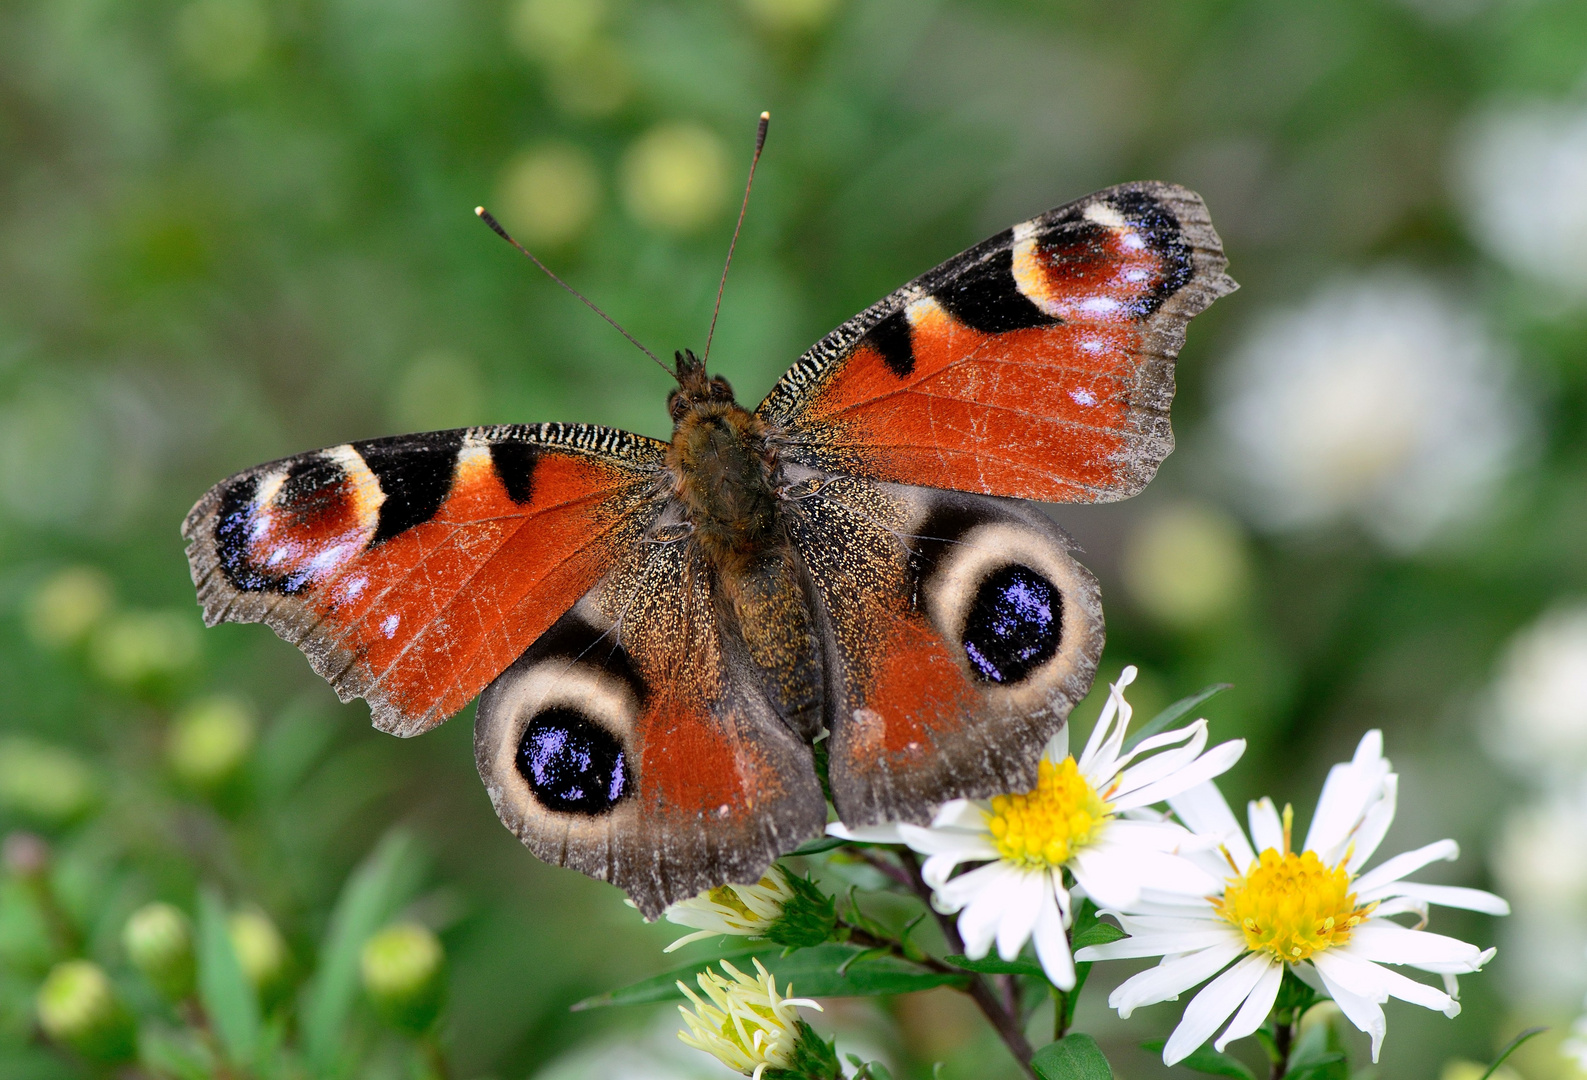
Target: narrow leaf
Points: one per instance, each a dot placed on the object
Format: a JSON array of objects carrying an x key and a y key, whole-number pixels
[
  {"x": 992, "y": 965},
  {"x": 1511, "y": 1047},
  {"x": 228, "y": 997},
  {"x": 809, "y": 972},
  {"x": 377, "y": 889},
  {"x": 1206, "y": 1060},
  {"x": 1179, "y": 708},
  {"x": 1074, "y": 1057},
  {"x": 1319, "y": 1068},
  {"x": 818, "y": 845}
]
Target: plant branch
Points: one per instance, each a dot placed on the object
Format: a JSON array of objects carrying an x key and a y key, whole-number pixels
[
  {"x": 1006, "y": 1024},
  {"x": 1283, "y": 1039}
]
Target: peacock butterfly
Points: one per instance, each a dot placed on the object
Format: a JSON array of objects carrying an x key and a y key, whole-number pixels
[{"x": 663, "y": 631}]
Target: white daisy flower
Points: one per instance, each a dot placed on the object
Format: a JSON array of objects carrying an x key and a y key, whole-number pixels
[
  {"x": 745, "y": 1023},
  {"x": 1313, "y": 911},
  {"x": 1078, "y": 819},
  {"x": 1536, "y": 718}
]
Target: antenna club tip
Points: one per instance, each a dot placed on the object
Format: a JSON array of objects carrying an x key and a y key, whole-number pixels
[
  {"x": 479, "y": 211},
  {"x": 765, "y": 116}
]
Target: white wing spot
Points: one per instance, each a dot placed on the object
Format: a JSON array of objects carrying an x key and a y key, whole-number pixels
[
  {"x": 388, "y": 625},
  {"x": 1083, "y": 397}
]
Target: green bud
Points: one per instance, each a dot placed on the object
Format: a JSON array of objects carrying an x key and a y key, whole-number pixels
[
  {"x": 137, "y": 647},
  {"x": 44, "y": 782},
  {"x": 209, "y": 741},
  {"x": 808, "y": 915},
  {"x": 159, "y": 941},
  {"x": 813, "y": 1059},
  {"x": 403, "y": 975},
  {"x": 65, "y": 608},
  {"x": 261, "y": 951},
  {"x": 78, "y": 1007}
]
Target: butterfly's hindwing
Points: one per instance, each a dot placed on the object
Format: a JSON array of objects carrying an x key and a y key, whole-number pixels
[
  {"x": 1038, "y": 364},
  {"x": 637, "y": 743},
  {"x": 959, "y": 632},
  {"x": 412, "y": 570}
]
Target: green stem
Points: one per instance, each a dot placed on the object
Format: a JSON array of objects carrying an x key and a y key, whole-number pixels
[{"x": 1283, "y": 1039}]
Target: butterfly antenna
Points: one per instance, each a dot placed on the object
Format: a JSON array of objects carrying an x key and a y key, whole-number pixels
[
  {"x": 760, "y": 142},
  {"x": 490, "y": 219}
]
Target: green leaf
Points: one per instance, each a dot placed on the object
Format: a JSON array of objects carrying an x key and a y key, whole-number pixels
[
  {"x": 992, "y": 965},
  {"x": 386, "y": 880},
  {"x": 1174, "y": 712},
  {"x": 1511, "y": 1047},
  {"x": 1319, "y": 1068},
  {"x": 1098, "y": 933},
  {"x": 228, "y": 997},
  {"x": 1206, "y": 1060},
  {"x": 809, "y": 972},
  {"x": 818, "y": 845},
  {"x": 1074, "y": 1057}
]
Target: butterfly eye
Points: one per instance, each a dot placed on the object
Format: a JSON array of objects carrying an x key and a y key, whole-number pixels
[
  {"x": 669, "y": 534},
  {"x": 572, "y": 764},
  {"x": 803, "y": 489}
]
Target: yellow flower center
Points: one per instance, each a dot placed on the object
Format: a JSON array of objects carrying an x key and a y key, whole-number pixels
[
  {"x": 1292, "y": 905},
  {"x": 1044, "y": 827}
]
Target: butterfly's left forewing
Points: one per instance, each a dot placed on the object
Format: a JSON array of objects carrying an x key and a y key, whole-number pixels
[{"x": 413, "y": 570}]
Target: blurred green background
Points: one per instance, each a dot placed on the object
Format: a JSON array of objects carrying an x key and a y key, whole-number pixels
[{"x": 232, "y": 230}]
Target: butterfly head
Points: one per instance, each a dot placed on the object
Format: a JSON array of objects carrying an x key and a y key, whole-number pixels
[{"x": 696, "y": 388}]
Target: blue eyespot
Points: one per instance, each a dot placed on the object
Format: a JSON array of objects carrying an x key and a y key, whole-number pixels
[
  {"x": 571, "y": 764},
  {"x": 1014, "y": 626}
]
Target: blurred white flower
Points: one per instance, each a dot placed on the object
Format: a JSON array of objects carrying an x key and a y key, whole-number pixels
[
  {"x": 1314, "y": 912},
  {"x": 1381, "y": 400},
  {"x": 1540, "y": 858},
  {"x": 1537, "y": 715},
  {"x": 1575, "y": 1047},
  {"x": 1523, "y": 175}
]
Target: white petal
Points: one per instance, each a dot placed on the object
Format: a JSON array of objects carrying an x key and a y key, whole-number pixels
[
  {"x": 1149, "y": 836},
  {"x": 1100, "y": 761},
  {"x": 1206, "y": 812},
  {"x": 1408, "y": 863},
  {"x": 866, "y": 834},
  {"x": 1364, "y": 1012},
  {"x": 1172, "y": 977},
  {"x": 1210, "y": 1008},
  {"x": 1160, "y": 765},
  {"x": 1361, "y": 976},
  {"x": 960, "y": 814},
  {"x": 978, "y": 922},
  {"x": 1019, "y": 916},
  {"x": 953, "y": 895},
  {"x": 1256, "y": 1007},
  {"x": 1346, "y": 796},
  {"x": 1375, "y": 825},
  {"x": 1110, "y": 880},
  {"x": 1124, "y": 869},
  {"x": 1267, "y": 828},
  {"x": 1137, "y": 945},
  {"x": 1386, "y": 943},
  {"x": 1454, "y": 896},
  {"x": 1052, "y": 943},
  {"x": 1215, "y": 762},
  {"x": 1057, "y": 747}
]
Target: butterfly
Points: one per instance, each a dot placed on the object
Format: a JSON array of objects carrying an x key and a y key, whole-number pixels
[{"x": 670, "y": 639}]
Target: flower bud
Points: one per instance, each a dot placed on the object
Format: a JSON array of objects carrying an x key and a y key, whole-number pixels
[
  {"x": 43, "y": 782},
  {"x": 159, "y": 942},
  {"x": 781, "y": 908},
  {"x": 403, "y": 974},
  {"x": 67, "y": 606},
  {"x": 78, "y": 1007},
  {"x": 744, "y": 1023},
  {"x": 261, "y": 952},
  {"x": 210, "y": 740}
]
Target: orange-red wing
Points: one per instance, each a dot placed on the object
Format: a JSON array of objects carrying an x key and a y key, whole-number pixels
[
  {"x": 1038, "y": 364},
  {"x": 636, "y": 742},
  {"x": 959, "y": 632},
  {"x": 412, "y": 571}
]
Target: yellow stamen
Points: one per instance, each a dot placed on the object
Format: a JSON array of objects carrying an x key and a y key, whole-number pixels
[
  {"x": 1044, "y": 827},
  {"x": 1292, "y": 905}
]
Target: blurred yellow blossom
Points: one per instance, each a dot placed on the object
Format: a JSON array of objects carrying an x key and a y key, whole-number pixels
[
  {"x": 210, "y": 739},
  {"x": 1186, "y": 564},
  {"x": 674, "y": 178},
  {"x": 791, "y": 14},
  {"x": 68, "y": 605},
  {"x": 223, "y": 39},
  {"x": 44, "y": 782},
  {"x": 549, "y": 193},
  {"x": 553, "y": 29},
  {"x": 135, "y": 646}
]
